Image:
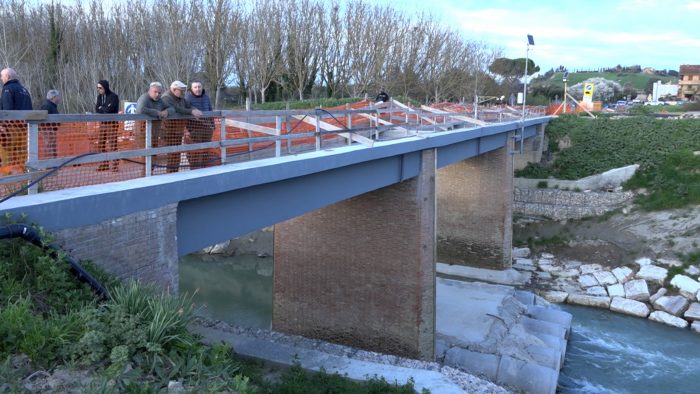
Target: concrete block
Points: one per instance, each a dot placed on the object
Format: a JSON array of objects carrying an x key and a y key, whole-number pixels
[
  {"x": 536, "y": 327},
  {"x": 674, "y": 305},
  {"x": 528, "y": 377},
  {"x": 551, "y": 315},
  {"x": 693, "y": 313},
  {"x": 525, "y": 297},
  {"x": 481, "y": 364},
  {"x": 546, "y": 356},
  {"x": 667, "y": 318},
  {"x": 629, "y": 307},
  {"x": 587, "y": 300},
  {"x": 652, "y": 273}
]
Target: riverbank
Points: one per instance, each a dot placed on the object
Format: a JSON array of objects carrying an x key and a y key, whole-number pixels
[{"x": 631, "y": 262}]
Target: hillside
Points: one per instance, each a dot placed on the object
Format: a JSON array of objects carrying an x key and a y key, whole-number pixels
[{"x": 638, "y": 81}]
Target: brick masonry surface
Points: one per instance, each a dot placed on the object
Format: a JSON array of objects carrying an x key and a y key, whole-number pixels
[
  {"x": 474, "y": 205},
  {"x": 361, "y": 272},
  {"x": 142, "y": 245}
]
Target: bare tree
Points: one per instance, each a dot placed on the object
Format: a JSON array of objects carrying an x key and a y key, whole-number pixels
[
  {"x": 265, "y": 56},
  {"x": 303, "y": 18}
]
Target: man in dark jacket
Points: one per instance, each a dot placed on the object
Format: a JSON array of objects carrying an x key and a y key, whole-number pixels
[
  {"x": 49, "y": 130},
  {"x": 13, "y": 133},
  {"x": 174, "y": 129},
  {"x": 14, "y": 96},
  {"x": 200, "y": 130},
  {"x": 107, "y": 103}
]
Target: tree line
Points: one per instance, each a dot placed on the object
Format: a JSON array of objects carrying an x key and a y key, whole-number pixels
[{"x": 263, "y": 49}]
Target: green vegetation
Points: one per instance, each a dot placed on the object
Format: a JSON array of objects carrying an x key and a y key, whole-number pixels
[
  {"x": 137, "y": 341},
  {"x": 692, "y": 258},
  {"x": 638, "y": 81},
  {"x": 662, "y": 148}
]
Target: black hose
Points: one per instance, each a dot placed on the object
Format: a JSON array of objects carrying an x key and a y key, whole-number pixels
[{"x": 29, "y": 234}]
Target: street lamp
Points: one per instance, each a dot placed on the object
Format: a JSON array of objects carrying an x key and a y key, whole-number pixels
[
  {"x": 530, "y": 41},
  {"x": 564, "y": 78}
]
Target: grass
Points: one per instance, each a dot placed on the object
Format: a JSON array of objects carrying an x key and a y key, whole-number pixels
[
  {"x": 638, "y": 80},
  {"x": 663, "y": 149},
  {"x": 137, "y": 341}
]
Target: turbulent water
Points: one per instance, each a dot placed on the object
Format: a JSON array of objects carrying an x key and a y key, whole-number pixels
[
  {"x": 613, "y": 353},
  {"x": 607, "y": 352}
]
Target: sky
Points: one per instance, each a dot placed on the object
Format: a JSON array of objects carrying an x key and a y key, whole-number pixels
[{"x": 583, "y": 34}]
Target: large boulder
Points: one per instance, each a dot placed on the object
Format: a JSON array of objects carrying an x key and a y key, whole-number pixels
[
  {"x": 616, "y": 290},
  {"x": 590, "y": 268},
  {"x": 659, "y": 293},
  {"x": 652, "y": 273},
  {"x": 623, "y": 274},
  {"x": 693, "y": 313},
  {"x": 587, "y": 281},
  {"x": 605, "y": 277},
  {"x": 555, "y": 296},
  {"x": 587, "y": 300},
  {"x": 686, "y": 285},
  {"x": 637, "y": 290},
  {"x": 598, "y": 291},
  {"x": 674, "y": 305},
  {"x": 667, "y": 318},
  {"x": 629, "y": 307}
]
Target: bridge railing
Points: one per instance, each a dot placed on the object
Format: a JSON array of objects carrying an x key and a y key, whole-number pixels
[{"x": 40, "y": 152}]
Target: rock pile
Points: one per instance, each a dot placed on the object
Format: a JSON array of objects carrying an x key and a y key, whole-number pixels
[{"x": 639, "y": 290}]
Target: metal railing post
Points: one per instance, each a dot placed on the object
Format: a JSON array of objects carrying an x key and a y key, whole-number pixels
[
  {"x": 32, "y": 151},
  {"x": 222, "y": 138},
  {"x": 278, "y": 130},
  {"x": 348, "y": 122},
  {"x": 149, "y": 145},
  {"x": 318, "y": 132}
]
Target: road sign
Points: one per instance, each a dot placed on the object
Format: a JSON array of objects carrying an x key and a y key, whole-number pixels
[
  {"x": 129, "y": 108},
  {"x": 588, "y": 92}
]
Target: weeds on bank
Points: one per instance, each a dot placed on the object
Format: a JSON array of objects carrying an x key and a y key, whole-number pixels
[
  {"x": 137, "y": 341},
  {"x": 692, "y": 258},
  {"x": 663, "y": 149}
]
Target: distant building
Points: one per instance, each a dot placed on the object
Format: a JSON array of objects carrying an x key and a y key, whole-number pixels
[
  {"x": 689, "y": 82},
  {"x": 660, "y": 90}
]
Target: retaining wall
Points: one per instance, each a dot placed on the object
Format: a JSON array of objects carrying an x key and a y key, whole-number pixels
[{"x": 562, "y": 204}]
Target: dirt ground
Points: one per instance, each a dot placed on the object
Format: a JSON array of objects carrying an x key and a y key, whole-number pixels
[{"x": 618, "y": 239}]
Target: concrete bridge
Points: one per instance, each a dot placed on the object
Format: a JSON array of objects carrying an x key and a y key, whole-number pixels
[{"x": 358, "y": 226}]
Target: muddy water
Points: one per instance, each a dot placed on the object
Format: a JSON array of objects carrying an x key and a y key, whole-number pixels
[{"x": 237, "y": 290}]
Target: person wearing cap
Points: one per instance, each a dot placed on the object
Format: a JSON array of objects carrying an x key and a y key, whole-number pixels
[
  {"x": 201, "y": 130},
  {"x": 13, "y": 134},
  {"x": 107, "y": 103},
  {"x": 174, "y": 129},
  {"x": 50, "y": 105}
]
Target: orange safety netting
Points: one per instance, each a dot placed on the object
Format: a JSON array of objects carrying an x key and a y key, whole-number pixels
[{"x": 61, "y": 142}]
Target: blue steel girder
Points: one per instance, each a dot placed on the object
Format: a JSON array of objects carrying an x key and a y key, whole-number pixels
[{"x": 219, "y": 203}]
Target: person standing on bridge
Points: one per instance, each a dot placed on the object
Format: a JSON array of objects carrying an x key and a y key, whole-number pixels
[
  {"x": 174, "y": 130},
  {"x": 151, "y": 104},
  {"x": 200, "y": 130},
  {"x": 13, "y": 133},
  {"x": 49, "y": 130},
  {"x": 107, "y": 103}
]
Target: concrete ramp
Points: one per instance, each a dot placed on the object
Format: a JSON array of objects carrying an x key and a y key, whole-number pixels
[{"x": 500, "y": 333}]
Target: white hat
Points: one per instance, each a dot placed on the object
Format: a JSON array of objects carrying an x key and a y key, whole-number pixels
[{"x": 178, "y": 85}]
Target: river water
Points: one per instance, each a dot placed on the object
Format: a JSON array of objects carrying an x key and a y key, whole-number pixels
[{"x": 607, "y": 352}]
